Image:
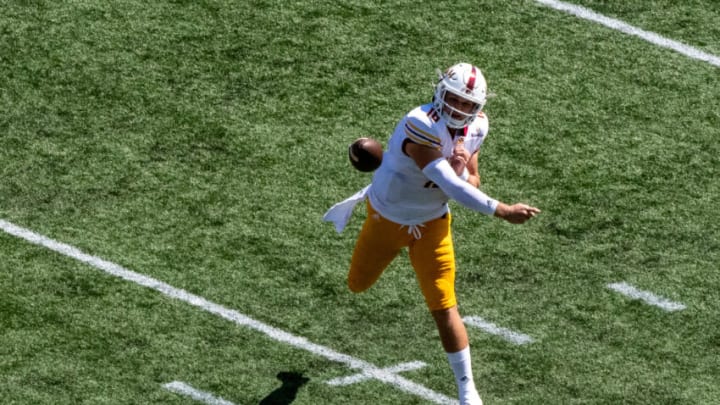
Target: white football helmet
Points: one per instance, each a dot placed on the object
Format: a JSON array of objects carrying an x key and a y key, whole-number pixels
[{"x": 463, "y": 80}]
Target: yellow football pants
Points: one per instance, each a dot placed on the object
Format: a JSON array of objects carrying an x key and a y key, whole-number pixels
[{"x": 432, "y": 256}]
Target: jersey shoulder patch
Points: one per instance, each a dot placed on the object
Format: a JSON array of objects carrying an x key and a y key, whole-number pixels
[{"x": 479, "y": 127}]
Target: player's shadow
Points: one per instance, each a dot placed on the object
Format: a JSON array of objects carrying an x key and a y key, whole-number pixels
[{"x": 285, "y": 395}]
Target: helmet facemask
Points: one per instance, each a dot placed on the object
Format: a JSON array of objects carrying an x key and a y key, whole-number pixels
[
  {"x": 466, "y": 82},
  {"x": 455, "y": 118}
]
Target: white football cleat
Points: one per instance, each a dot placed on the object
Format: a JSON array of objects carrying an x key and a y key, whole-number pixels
[{"x": 471, "y": 398}]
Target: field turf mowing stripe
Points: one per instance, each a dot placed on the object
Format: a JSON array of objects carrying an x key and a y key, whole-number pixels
[{"x": 621, "y": 26}]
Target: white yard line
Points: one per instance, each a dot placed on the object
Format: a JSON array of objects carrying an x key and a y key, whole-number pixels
[
  {"x": 181, "y": 388},
  {"x": 491, "y": 328},
  {"x": 356, "y": 378},
  {"x": 621, "y": 26},
  {"x": 276, "y": 334},
  {"x": 645, "y": 296}
]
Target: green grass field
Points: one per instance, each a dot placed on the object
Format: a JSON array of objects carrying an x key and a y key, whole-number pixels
[{"x": 200, "y": 142}]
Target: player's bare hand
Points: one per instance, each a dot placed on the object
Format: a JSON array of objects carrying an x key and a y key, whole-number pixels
[
  {"x": 517, "y": 213},
  {"x": 458, "y": 160}
]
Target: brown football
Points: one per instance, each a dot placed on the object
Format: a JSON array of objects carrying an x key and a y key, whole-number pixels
[{"x": 365, "y": 154}]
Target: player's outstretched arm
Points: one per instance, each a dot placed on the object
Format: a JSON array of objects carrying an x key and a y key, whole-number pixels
[{"x": 441, "y": 173}]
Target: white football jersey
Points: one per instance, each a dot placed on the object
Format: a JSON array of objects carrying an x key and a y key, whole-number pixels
[{"x": 400, "y": 190}]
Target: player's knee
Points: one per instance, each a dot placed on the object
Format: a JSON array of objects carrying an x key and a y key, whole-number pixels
[
  {"x": 356, "y": 285},
  {"x": 441, "y": 302},
  {"x": 359, "y": 280},
  {"x": 363, "y": 275}
]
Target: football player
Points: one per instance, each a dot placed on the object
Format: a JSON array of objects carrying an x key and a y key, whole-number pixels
[{"x": 431, "y": 157}]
